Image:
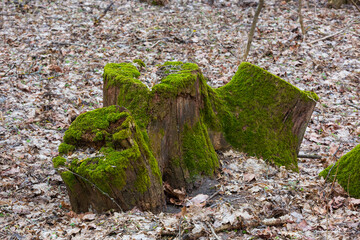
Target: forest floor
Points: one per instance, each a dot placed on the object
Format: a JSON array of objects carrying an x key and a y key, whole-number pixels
[{"x": 52, "y": 55}]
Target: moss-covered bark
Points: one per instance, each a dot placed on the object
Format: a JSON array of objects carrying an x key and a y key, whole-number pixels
[
  {"x": 347, "y": 172},
  {"x": 173, "y": 131},
  {"x": 264, "y": 115},
  {"x": 124, "y": 167},
  {"x": 256, "y": 112}
]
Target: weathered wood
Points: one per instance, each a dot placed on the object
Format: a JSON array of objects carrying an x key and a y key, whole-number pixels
[
  {"x": 256, "y": 112},
  {"x": 170, "y": 133},
  {"x": 106, "y": 164},
  {"x": 173, "y": 115}
]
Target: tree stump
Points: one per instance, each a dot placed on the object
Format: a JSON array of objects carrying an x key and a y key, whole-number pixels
[
  {"x": 256, "y": 112},
  {"x": 174, "y": 115},
  {"x": 346, "y": 171},
  {"x": 106, "y": 163},
  {"x": 170, "y": 133}
]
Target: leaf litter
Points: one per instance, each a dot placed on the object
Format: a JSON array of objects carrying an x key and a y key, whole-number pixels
[{"x": 52, "y": 56}]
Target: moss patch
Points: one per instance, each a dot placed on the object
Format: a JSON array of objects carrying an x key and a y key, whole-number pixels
[
  {"x": 347, "y": 172},
  {"x": 110, "y": 127},
  {"x": 66, "y": 148},
  {"x": 252, "y": 118},
  {"x": 199, "y": 154},
  {"x": 59, "y": 161},
  {"x": 133, "y": 94}
]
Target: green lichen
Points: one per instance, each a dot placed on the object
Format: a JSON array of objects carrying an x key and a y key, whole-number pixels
[
  {"x": 346, "y": 171},
  {"x": 58, "y": 161},
  {"x": 66, "y": 148}
]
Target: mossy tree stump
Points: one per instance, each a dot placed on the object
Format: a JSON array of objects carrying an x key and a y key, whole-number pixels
[
  {"x": 170, "y": 133},
  {"x": 120, "y": 173},
  {"x": 346, "y": 171},
  {"x": 256, "y": 112}
]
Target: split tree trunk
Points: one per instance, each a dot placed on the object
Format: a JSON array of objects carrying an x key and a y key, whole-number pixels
[{"x": 170, "y": 133}]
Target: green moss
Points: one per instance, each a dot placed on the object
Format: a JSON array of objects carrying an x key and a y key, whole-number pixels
[
  {"x": 252, "y": 117},
  {"x": 99, "y": 136},
  {"x": 114, "y": 116},
  {"x": 312, "y": 95},
  {"x": 347, "y": 172},
  {"x": 142, "y": 181},
  {"x": 110, "y": 170},
  {"x": 143, "y": 139},
  {"x": 122, "y": 134},
  {"x": 199, "y": 154},
  {"x": 66, "y": 148},
  {"x": 58, "y": 161},
  {"x": 133, "y": 94},
  {"x": 95, "y": 121},
  {"x": 69, "y": 179},
  {"x": 139, "y": 62},
  {"x": 72, "y": 136}
]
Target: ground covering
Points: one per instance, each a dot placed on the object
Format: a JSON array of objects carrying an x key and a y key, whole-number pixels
[{"x": 52, "y": 57}]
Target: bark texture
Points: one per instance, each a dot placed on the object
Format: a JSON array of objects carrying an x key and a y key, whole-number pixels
[
  {"x": 170, "y": 133},
  {"x": 106, "y": 164}
]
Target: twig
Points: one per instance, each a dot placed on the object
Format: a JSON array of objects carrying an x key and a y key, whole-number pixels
[
  {"x": 228, "y": 50},
  {"x": 334, "y": 155},
  {"x": 309, "y": 156},
  {"x": 252, "y": 30},
  {"x": 93, "y": 184},
  {"x": 332, "y": 35},
  {"x": 213, "y": 231},
  {"x": 353, "y": 2},
  {"x": 275, "y": 221},
  {"x": 9, "y": 70},
  {"x": 301, "y": 19},
  {"x": 97, "y": 19},
  {"x": 68, "y": 44},
  {"x": 352, "y": 105},
  {"x": 216, "y": 193},
  {"x": 179, "y": 232}
]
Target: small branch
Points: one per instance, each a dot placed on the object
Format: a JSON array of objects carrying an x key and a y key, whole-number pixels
[
  {"x": 252, "y": 30},
  {"x": 228, "y": 50},
  {"x": 309, "y": 156},
  {"x": 68, "y": 44},
  {"x": 352, "y": 105},
  {"x": 216, "y": 193},
  {"x": 213, "y": 232},
  {"x": 97, "y": 19},
  {"x": 301, "y": 19},
  {"x": 332, "y": 35},
  {"x": 93, "y": 184},
  {"x": 353, "y": 2}
]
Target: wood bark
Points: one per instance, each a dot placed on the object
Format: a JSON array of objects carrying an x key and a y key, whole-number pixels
[
  {"x": 121, "y": 177},
  {"x": 170, "y": 133}
]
